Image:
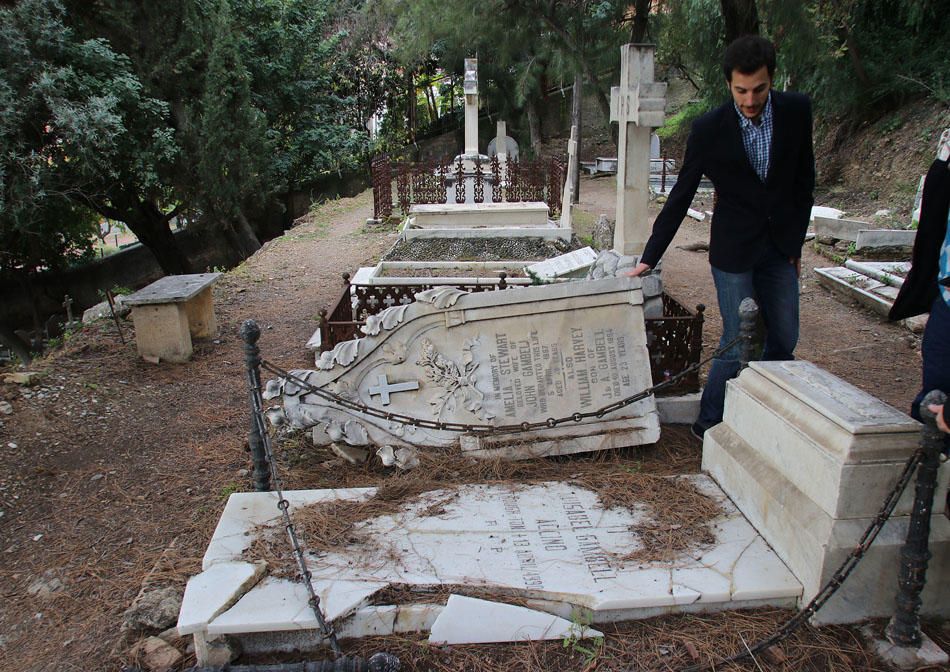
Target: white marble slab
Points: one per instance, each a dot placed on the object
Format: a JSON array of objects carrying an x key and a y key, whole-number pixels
[
  {"x": 564, "y": 265},
  {"x": 492, "y": 359},
  {"x": 279, "y": 604},
  {"x": 478, "y": 215},
  {"x": 468, "y": 620},
  {"x": 246, "y": 510},
  {"x": 851, "y": 408},
  {"x": 552, "y": 542},
  {"x": 813, "y": 544},
  {"x": 213, "y": 591},
  {"x": 869, "y": 292}
]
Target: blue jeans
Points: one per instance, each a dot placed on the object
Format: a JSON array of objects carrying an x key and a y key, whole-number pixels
[
  {"x": 773, "y": 283},
  {"x": 935, "y": 349}
]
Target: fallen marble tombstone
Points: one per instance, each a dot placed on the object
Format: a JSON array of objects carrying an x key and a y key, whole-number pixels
[{"x": 515, "y": 374}]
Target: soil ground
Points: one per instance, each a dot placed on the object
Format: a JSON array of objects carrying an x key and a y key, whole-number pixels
[{"x": 117, "y": 469}]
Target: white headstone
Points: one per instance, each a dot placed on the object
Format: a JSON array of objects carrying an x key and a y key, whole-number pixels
[
  {"x": 492, "y": 358},
  {"x": 572, "y": 264},
  {"x": 638, "y": 106}
]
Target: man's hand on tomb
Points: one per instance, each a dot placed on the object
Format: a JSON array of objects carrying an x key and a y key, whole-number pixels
[{"x": 639, "y": 269}]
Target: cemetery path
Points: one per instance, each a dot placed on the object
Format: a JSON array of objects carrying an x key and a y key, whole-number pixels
[{"x": 116, "y": 470}]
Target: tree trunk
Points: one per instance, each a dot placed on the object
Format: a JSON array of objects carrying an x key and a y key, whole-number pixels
[
  {"x": 534, "y": 126},
  {"x": 249, "y": 242},
  {"x": 847, "y": 37},
  {"x": 641, "y": 21},
  {"x": 741, "y": 18},
  {"x": 150, "y": 225},
  {"x": 577, "y": 97},
  {"x": 411, "y": 108}
]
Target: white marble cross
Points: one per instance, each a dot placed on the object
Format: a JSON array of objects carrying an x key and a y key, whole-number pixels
[
  {"x": 501, "y": 141},
  {"x": 637, "y": 105},
  {"x": 470, "y": 87},
  {"x": 384, "y": 388}
]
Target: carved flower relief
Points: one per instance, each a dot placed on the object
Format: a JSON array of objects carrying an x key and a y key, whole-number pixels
[{"x": 457, "y": 383}]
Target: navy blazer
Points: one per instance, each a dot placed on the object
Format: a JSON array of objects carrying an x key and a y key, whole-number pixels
[{"x": 748, "y": 214}]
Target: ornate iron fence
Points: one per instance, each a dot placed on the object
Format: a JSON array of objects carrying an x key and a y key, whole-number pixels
[{"x": 432, "y": 181}]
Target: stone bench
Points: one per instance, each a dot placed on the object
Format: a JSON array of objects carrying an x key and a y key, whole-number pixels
[{"x": 169, "y": 312}]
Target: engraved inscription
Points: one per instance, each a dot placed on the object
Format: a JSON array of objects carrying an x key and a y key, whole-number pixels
[
  {"x": 568, "y": 535},
  {"x": 529, "y": 374}
]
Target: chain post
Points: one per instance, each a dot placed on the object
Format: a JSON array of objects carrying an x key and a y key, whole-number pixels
[
  {"x": 904, "y": 628},
  {"x": 250, "y": 333},
  {"x": 748, "y": 313}
]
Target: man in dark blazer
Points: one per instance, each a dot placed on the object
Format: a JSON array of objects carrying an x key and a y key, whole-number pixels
[{"x": 757, "y": 151}]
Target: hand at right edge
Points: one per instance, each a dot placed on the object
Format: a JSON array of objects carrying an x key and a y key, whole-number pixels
[{"x": 639, "y": 269}]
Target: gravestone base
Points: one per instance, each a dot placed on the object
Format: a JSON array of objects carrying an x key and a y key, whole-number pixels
[
  {"x": 809, "y": 460},
  {"x": 551, "y": 544}
]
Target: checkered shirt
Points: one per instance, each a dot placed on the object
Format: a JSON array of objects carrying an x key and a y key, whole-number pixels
[{"x": 758, "y": 138}]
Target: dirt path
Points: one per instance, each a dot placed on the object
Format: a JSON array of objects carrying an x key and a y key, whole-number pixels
[{"x": 116, "y": 470}]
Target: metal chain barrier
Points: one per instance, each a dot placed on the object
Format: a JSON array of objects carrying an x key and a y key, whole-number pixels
[
  {"x": 492, "y": 429},
  {"x": 829, "y": 589},
  {"x": 260, "y": 428}
]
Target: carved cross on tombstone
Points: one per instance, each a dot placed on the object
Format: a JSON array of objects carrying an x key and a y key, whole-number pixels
[
  {"x": 384, "y": 388},
  {"x": 637, "y": 105}
]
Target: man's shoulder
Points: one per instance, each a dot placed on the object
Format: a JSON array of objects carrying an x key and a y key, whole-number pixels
[{"x": 713, "y": 119}]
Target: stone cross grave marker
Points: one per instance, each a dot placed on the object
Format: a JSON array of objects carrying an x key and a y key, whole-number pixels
[
  {"x": 637, "y": 105},
  {"x": 567, "y": 197},
  {"x": 470, "y": 87},
  {"x": 501, "y": 144}
]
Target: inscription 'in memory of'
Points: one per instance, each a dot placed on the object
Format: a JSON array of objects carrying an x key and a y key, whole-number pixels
[{"x": 528, "y": 373}]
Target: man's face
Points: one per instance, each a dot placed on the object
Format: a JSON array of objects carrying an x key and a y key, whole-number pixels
[{"x": 750, "y": 91}]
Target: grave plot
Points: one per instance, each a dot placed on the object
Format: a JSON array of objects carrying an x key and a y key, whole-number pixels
[
  {"x": 551, "y": 548},
  {"x": 872, "y": 284}
]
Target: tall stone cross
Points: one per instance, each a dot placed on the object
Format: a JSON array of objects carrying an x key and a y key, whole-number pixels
[
  {"x": 470, "y": 87},
  {"x": 637, "y": 105}
]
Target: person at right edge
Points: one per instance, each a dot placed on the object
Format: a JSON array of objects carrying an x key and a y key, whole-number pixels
[
  {"x": 925, "y": 288},
  {"x": 757, "y": 151}
]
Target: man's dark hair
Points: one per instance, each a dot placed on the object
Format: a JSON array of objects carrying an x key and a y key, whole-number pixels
[{"x": 747, "y": 54}]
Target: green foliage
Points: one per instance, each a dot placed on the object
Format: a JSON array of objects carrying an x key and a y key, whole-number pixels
[
  {"x": 63, "y": 107},
  {"x": 854, "y": 57},
  {"x": 678, "y": 124},
  {"x": 581, "y": 620}
]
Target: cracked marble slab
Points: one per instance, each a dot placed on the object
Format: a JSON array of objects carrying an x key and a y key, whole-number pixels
[{"x": 551, "y": 542}]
